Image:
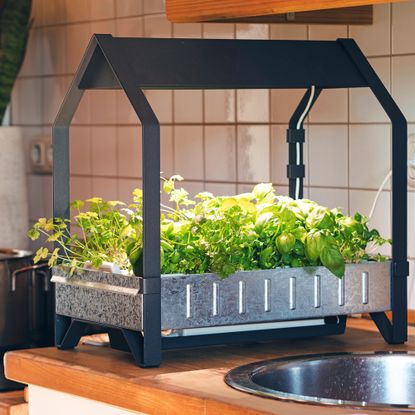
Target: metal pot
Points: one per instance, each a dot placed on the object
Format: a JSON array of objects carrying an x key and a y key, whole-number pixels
[
  {"x": 24, "y": 301},
  {"x": 26, "y": 306}
]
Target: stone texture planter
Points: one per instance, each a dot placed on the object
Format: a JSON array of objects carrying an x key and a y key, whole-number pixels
[{"x": 195, "y": 301}]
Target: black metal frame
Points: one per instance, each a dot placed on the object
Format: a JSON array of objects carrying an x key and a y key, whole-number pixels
[{"x": 134, "y": 64}]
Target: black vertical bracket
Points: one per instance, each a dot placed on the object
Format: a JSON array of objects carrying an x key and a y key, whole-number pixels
[
  {"x": 296, "y": 140},
  {"x": 395, "y": 331}
]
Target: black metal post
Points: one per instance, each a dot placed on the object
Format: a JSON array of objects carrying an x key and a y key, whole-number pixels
[{"x": 395, "y": 333}]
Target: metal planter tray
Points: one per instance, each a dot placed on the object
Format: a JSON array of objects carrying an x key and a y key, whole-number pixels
[{"x": 194, "y": 301}]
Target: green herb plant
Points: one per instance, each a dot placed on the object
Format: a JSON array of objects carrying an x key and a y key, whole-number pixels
[
  {"x": 104, "y": 230},
  {"x": 224, "y": 234}
]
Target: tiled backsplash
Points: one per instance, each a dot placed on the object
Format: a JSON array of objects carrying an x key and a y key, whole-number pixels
[{"x": 221, "y": 141}]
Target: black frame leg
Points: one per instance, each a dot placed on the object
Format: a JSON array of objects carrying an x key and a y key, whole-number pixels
[
  {"x": 68, "y": 332},
  {"x": 134, "y": 340},
  {"x": 117, "y": 340}
]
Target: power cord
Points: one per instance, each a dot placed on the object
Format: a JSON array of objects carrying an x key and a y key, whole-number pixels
[
  {"x": 297, "y": 146},
  {"x": 385, "y": 180}
]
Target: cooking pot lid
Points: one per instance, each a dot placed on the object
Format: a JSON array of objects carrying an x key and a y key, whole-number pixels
[{"x": 8, "y": 253}]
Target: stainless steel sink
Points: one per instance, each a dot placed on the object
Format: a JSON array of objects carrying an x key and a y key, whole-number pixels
[{"x": 372, "y": 380}]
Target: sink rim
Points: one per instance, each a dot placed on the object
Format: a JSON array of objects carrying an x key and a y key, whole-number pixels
[{"x": 240, "y": 378}]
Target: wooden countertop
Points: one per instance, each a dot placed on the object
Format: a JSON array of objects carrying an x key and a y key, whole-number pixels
[
  {"x": 189, "y": 381},
  {"x": 13, "y": 403}
]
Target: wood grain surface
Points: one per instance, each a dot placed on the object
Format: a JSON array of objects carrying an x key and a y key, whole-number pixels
[
  {"x": 214, "y": 10},
  {"x": 13, "y": 403},
  {"x": 189, "y": 381}
]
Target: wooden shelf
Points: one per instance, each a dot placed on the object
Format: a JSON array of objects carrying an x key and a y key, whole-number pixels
[{"x": 271, "y": 11}]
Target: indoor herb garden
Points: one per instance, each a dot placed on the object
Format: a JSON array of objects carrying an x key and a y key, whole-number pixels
[
  {"x": 222, "y": 270},
  {"x": 222, "y": 235}
]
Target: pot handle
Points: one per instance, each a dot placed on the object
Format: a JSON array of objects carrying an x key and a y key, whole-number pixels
[{"x": 34, "y": 268}]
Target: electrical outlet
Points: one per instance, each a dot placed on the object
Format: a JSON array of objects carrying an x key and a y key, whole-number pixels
[{"x": 40, "y": 155}]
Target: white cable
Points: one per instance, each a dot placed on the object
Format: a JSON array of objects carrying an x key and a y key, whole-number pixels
[
  {"x": 372, "y": 210},
  {"x": 297, "y": 146}
]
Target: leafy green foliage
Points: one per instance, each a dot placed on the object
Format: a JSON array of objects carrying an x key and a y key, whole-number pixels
[
  {"x": 14, "y": 29},
  {"x": 104, "y": 233},
  {"x": 256, "y": 230}
]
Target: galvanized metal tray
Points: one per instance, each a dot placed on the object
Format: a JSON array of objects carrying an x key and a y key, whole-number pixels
[{"x": 205, "y": 300}]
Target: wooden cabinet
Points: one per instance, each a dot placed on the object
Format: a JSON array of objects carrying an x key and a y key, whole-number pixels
[{"x": 272, "y": 11}]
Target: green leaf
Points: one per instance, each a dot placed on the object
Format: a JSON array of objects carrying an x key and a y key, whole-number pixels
[
  {"x": 285, "y": 243},
  {"x": 332, "y": 259}
]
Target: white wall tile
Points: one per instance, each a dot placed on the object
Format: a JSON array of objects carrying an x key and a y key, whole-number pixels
[
  {"x": 105, "y": 188},
  {"x": 188, "y": 152},
  {"x": 220, "y": 153},
  {"x": 193, "y": 188},
  {"x": 129, "y": 152},
  {"x": 403, "y": 29},
  {"x": 244, "y": 188},
  {"x": 102, "y": 9},
  {"x": 331, "y": 198},
  {"x": 53, "y": 54},
  {"x": 326, "y": 32},
  {"x": 83, "y": 113},
  {"x": 411, "y": 156},
  {"x": 80, "y": 143},
  {"x": 289, "y": 31},
  {"x": 331, "y": 106},
  {"x": 374, "y": 39},
  {"x": 166, "y": 151},
  {"x": 126, "y": 8},
  {"x": 364, "y": 107},
  {"x": 283, "y": 103},
  {"x": 103, "y": 26},
  {"x": 162, "y": 103},
  {"x": 188, "y": 106},
  {"x": 104, "y": 151},
  {"x": 126, "y": 188},
  {"x": 221, "y": 189},
  {"x": 37, "y": 13},
  {"x": 218, "y": 30},
  {"x": 157, "y": 25},
  {"x": 284, "y": 191},
  {"x": 39, "y": 196},
  {"x": 153, "y": 6},
  {"x": 219, "y": 105},
  {"x": 103, "y": 106},
  {"x": 54, "y": 12},
  {"x": 187, "y": 30},
  {"x": 411, "y": 285},
  {"x": 124, "y": 110},
  {"x": 27, "y": 99},
  {"x": 54, "y": 90},
  {"x": 131, "y": 27},
  {"x": 328, "y": 155},
  {"x": 252, "y": 105},
  {"x": 403, "y": 84},
  {"x": 33, "y": 62},
  {"x": 81, "y": 188},
  {"x": 253, "y": 153},
  {"x": 77, "y": 10},
  {"x": 370, "y": 155},
  {"x": 411, "y": 225},
  {"x": 77, "y": 38},
  {"x": 252, "y": 31}
]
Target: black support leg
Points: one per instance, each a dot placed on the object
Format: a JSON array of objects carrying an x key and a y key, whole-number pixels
[{"x": 68, "y": 332}]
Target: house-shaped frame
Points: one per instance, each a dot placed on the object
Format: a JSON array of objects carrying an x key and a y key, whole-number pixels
[{"x": 135, "y": 64}]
